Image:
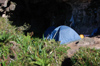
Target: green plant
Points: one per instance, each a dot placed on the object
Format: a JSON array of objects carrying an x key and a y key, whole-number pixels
[
  {"x": 86, "y": 57},
  {"x": 17, "y": 49}
]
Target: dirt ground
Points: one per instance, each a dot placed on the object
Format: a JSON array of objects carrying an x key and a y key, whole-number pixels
[{"x": 90, "y": 42}]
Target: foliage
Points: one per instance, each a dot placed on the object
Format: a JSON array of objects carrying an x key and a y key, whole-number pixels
[
  {"x": 86, "y": 57},
  {"x": 17, "y": 49}
]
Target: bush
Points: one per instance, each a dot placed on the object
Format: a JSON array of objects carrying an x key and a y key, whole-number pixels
[
  {"x": 17, "y": 49},
  {"x": 86, "y": 57}
]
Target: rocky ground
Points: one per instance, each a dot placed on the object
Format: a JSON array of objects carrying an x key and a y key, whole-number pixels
[{"x": 90, "y": 42}]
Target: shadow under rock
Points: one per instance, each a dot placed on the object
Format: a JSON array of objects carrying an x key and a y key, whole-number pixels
[{"x": 67, "y": 62}]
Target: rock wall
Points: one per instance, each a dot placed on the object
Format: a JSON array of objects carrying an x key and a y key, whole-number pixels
[
  {"x": 41, "y": 14},
  {"x": 86, "y": 15}
]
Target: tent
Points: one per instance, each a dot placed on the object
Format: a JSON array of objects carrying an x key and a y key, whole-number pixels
[
  {"x": 64, "y": 34},
  {"x": 72, "y": 22},
  {"x": 48, "y": 31},
  {"x": 95, "y": 32}
]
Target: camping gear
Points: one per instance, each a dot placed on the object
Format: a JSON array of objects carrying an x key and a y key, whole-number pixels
[
  {"x": 48, "y": 31},
  {"x": 95, "y": 32},
  {"x": 81, "y": 35},
  {"x": 64, "y": 34},
  {"x": 72, "y": 21},
  {"x": 86, "y": 35}
]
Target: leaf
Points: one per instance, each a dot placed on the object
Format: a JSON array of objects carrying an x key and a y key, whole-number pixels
[{"x": 38, "y": 63}]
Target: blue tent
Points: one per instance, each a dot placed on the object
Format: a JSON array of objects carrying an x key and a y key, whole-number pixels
[
  {"x": 95, "y": 32},
  {"x": 64, "y": 34},
  {"x": 48, "y": 31}
]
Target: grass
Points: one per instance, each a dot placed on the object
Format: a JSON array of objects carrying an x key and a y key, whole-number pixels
[
  {"x": 18, "y": 49},
  {"x": 86, "y": 57}
]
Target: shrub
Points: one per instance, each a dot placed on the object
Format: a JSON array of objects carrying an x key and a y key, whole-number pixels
[
  {"x": 17, "y": 49},
  {"x": 86, "y": 57}
]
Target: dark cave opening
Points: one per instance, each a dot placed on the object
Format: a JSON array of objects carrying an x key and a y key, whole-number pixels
[
  {"x": 43, "y": 14},
  {"x": 40, "y": 15}
]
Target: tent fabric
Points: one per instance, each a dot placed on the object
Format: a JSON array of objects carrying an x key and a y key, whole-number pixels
[
  {"x": 64, "y": 34},
  {"x": 95, "y": 32},
  {"x": 48, "y": 31},
  {"x": 72, "y": 21}
]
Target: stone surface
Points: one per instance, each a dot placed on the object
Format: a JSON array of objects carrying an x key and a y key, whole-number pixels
[
  {"x": 93, "y": 42},
  {"x": 12, "y": 6},
  {"x": 45, "y": 13},
  {"x": 4, "y": 3}
]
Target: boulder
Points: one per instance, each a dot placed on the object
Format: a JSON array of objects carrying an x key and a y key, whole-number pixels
[
  {"x": 88, "y": 42},
  {"x": 4, "y": 3}
]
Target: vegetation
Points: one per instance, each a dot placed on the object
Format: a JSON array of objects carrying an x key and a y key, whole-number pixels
[
  {"x": 86, "y": 57},
  {"x": 17, "y": 49}
]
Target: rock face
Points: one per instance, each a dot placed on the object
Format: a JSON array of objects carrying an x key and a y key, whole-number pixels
[
  {"x": 4, "y": 3},
  {"x": 6, "y": 6},
  {"x": 41, "y": 14},
  {"x": 93, "y": 42}
]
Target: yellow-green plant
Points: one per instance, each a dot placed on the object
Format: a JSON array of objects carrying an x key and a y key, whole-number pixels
[
  {"x": 86, "y": 57},
  {"x": 17, "y": 49}
]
